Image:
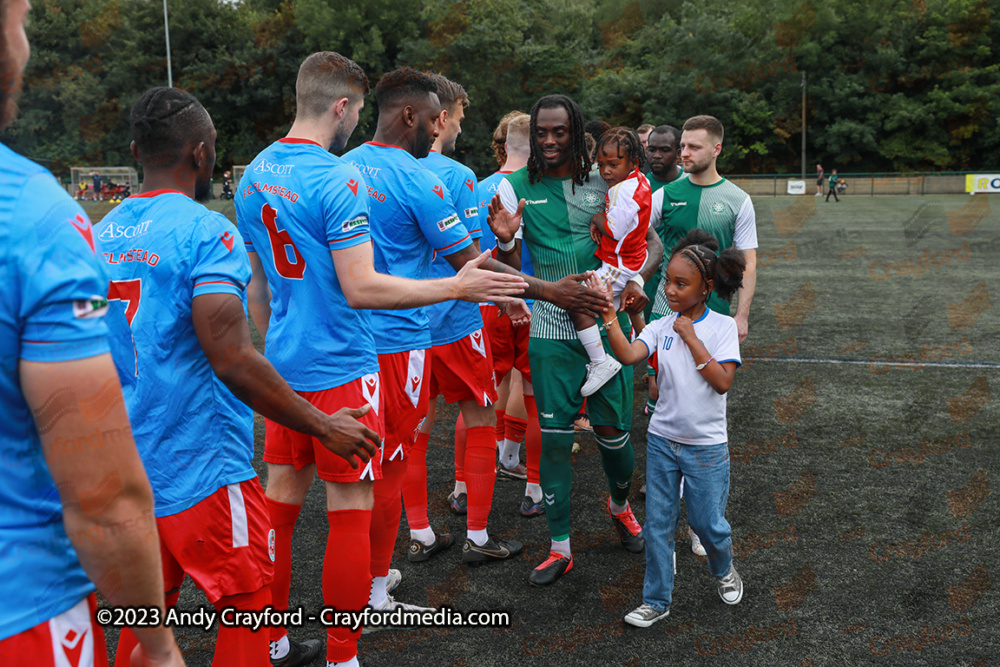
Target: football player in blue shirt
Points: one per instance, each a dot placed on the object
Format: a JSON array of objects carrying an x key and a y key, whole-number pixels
[
  {"x": 304, "y": 212},
  {"x": 191, "y": 375},
  {"x": 75, "y": 503}
]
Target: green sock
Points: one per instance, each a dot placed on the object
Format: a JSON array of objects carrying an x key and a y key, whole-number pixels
[
  {"x": 618, "y": 459},
  {"x": 556, "y": 478}
]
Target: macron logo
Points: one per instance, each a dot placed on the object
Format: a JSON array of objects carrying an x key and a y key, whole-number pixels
[
  {"x": 353, "y": 185},
  {"x": 227, "y": 240},
  {"x": 439, "y": 191}
]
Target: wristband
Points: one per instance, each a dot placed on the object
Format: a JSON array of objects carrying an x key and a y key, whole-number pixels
[
  {"x": 506, "y": 247},
  {"x": 638, "y": 280},
  {"x": 700, "y": 367}
]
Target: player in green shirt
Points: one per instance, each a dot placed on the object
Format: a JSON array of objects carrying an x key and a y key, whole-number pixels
[
  {"x": 550, "y": 203},
  {"x": 663, "y": 155}
]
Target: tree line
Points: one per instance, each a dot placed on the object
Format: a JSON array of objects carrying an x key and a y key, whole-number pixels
[{"x": 900, "y": 85}]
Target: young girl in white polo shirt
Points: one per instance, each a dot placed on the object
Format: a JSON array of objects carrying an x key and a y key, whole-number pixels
[{"x": 697, "y": 352}]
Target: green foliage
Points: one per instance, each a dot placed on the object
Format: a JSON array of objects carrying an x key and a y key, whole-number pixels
[{"x": 898, "y": 85}]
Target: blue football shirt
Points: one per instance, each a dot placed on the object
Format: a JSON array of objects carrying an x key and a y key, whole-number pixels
[
  {"x": 412, "y": 218},
  {"x": 454, "y": 320},
  {"x": 51, "y": 310},
  {"x": 296, "y": 203},
  {"x": 162, "y": 249}
]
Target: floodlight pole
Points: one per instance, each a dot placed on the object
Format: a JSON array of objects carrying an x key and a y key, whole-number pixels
[
  {"x": 166, "y": 30},
  {"x": 803, "y": 123}
]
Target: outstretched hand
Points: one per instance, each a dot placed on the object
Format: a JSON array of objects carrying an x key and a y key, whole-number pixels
[
  {"x": 604, "y": 288},
  {"x": 519, "y": 313},
  {"x": 504, "y": 223},
  {"x": 633, "y": 298},
  {"x": 477, "y": 285}
]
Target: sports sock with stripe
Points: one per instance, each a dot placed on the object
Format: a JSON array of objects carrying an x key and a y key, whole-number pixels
[
  {"x": 346, "y": 576},
  {"x": 460, "y": 442},
  {"x": 556, "y": 479},
  {"x": 415, "y": 485},
  {"x": 618, "y": 459},
  {"x": 480, "y": 474}
]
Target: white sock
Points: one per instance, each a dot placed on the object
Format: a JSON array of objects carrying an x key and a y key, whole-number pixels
[
  {"x": 591, "y": 339},
  {"x": 280, "y": 648},
  {"x": 510, "y": 454},
  {"x": 533, "y": 490},
  {"x": 561, "y": 547},
  {"x": 353, "y": 662},
  {"x": 459, "y": 488},
  {"x": 378, "y": 596},
  {"x": 618, "y": 509},
  {"x": 423, "y": 535},
  {"x": 479, "y": 537}
]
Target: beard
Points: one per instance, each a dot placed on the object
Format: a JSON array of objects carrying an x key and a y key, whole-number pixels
[
  {"x": 422, "y": 142},
  {"x": 698, "y": 167}
]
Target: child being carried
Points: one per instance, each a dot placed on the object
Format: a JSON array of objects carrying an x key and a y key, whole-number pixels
[{"x": 620, "y": 232}]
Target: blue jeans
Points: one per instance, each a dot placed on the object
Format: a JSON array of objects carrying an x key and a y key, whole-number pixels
[{"x": 706, "y": 489}]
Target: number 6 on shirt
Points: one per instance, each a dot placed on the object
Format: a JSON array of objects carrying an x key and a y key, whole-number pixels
[{"x": 280, "y": 240}]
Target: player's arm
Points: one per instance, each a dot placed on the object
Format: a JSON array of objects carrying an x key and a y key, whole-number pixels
[
  {"x": 259, "y": 295},
  {"x": 744, "y": 295},
  {"x": 224, "y": 335},
  {"x": 106, "y": 497},
  {"x": 364, "y": 287},
  {"x": 745, "y": 238}
]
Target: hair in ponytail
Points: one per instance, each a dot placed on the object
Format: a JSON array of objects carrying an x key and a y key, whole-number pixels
[{"x": 725, "y": 269}]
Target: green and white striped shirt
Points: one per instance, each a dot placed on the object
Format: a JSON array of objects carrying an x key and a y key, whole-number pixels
[
  {"x": 721, "y": 209},
  {"x": 556, "y": 228}
]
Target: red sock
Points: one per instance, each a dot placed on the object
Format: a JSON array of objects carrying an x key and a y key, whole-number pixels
[
  {"x": 532, "y": 440},
  {"x": 415, "y": 485},
  {"x": 515, "y": 429},
  {"x": 347, "y": 580},
  {"x": 460, "y": 439},
  {"x": 238, "y": 646},
  {"x": 385, "y": 514},
  {"x": 127, "y": 641},
  {"x": 283, "y": 518},
  {"x": 480, "y": 474},
  {"x": 501, "y": 424}
]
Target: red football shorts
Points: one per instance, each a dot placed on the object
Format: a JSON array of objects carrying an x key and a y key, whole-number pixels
[
  {"x": 224, "y": 543},
  {"x": 508, "y": 344},
  {"x": 463, "y": 370},
  {"x": 406, "y": 387},
  {"x": 72, "y": 638},
  {"x": 284, "y": 446}
]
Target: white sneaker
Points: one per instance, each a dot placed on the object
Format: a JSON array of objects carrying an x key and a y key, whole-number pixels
[
  {"x": 731, "y": 587},
  {"x": 696, "y": 545},
  {"x": 644, "y": 616},
  {"x": 599, "y": 373},
  {"x": 390, "y": 605},
  {"x": 395, "y": 576}
]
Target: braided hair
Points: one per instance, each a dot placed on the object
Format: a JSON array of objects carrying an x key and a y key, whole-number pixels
[
  {"x": 164, "y": 121},
  {"x": 725, "y": 269},
  {"x": 580, "y": 162},
  {"x": 628, "y": 144}
]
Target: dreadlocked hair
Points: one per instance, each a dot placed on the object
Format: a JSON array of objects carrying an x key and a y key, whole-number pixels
[
  {"x": 580, "y": 162},
  {"x": 628, "y": 144},
  {"x": 725, "y": 269},
  {"x": 164, "y": 121}
]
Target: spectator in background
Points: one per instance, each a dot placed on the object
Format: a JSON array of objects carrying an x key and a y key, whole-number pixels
[
  {"x": 98, "y": 196},
  {"x": 819, "y": 180},
  {"x": 833, "y": 187},
  {"x": 643, "y": 132}
]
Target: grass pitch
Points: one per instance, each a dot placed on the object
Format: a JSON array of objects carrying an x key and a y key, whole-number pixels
[{"x": 863, "y": 440}]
